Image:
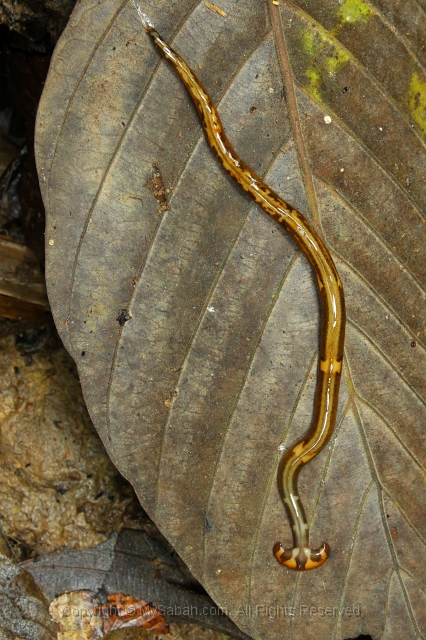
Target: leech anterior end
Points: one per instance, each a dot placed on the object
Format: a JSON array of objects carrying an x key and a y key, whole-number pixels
[{"x": 301, "y": 556}]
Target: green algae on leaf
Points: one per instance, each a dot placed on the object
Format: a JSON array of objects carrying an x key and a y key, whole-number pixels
[
  {"x": 325, "y": 58},
  {"x": 417, "y": 101},
  {"x": 354, "y": 11}
]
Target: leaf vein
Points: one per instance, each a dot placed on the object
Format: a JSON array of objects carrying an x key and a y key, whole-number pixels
[
  {"x": 409, "y": 453},
  {"x": 365, "y": 282},
  {"x": 350, "y": 554},
  {"x": 384, "y": 357},
  {"x": 339, "y": 195}
]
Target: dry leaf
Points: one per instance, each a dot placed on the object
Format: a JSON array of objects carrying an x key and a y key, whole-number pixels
[
  {"x": 136, "y": 564},
  {"x": 81, "y": 616},
  {"x": 24, "y": 613},
  {"x": 126, "y": 612},
  {"x": 327, "y": 102}
]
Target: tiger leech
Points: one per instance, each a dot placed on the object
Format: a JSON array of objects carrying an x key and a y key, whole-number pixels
[{"x": 330, "y": 290}]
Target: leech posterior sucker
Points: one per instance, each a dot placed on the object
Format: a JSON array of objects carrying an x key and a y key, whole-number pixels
[{"x": 301, "y": 556}]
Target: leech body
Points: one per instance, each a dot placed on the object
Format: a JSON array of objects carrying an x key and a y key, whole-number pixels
[{"x": 330, "y": 290}]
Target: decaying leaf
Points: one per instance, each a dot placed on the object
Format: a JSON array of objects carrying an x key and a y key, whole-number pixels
[
  {"x": 81, "y": 616},
  {"x": 129, "y": 571},
  {"x": 24, "y": 612},
  {"x": 129, "y": 612},
  {"x": 196, "y": 394}
]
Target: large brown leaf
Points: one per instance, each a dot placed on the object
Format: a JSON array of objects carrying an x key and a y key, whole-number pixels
[{"x": 215, "y": 369}]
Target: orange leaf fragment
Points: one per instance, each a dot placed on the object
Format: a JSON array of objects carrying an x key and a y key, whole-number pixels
[{"x": 124, "y": 611}]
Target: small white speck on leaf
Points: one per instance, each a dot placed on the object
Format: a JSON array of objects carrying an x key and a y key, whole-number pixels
[{"x": 327, "y": 119}]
